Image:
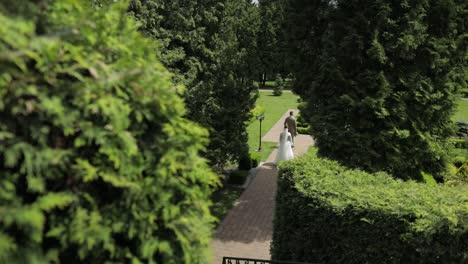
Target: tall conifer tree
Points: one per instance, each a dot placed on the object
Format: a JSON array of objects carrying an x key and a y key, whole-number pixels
[
  {"x": 209, "y": 44},
  {"x": 271, "y": 50},
  {"x": 382, "y": 87}
]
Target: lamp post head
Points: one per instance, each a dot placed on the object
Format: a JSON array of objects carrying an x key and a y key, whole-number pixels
[{"x": 261, "y": 117}]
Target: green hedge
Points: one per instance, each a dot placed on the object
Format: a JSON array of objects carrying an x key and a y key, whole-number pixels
[
  {"x": 249, "y": 160},
  {"x": 464, "y": 92},
  {"x": 245, "y": 162},
  {"x": 97, "y": 162},
  {"x": 331, "y": 214},
  {"x": 461, "y": 143},
  {"x": 256, "y": 158},
  {"x": 303, "y": 130},
  {"x": 238, "y": 177}
]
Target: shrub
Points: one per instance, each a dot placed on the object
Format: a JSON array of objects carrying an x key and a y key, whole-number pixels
[
  {"x": 245, "y": 162},
  {"x": 304, "y": 130},
  {"x": 249, "y": 160},
  {"x": 458, "y": 161},
  {"x": 97, "y": 163},
  {"x": 457, "y": 175},
  {"x": 462, "y": 129},
  {"x": 464, "y": 92},
  {"x": 279, "y": 86},
  {"x": 461, "y": 143},
  {"x": 327, "y": 213},
  {"x": 462, "y": 173},
  {"x": 256, "y": 158},
  {"x": 301, "y": 122},
  {"x": 238, "y": 177}
]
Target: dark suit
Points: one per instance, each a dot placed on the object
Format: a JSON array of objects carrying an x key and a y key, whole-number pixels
[{"x": 291, "y": 123}]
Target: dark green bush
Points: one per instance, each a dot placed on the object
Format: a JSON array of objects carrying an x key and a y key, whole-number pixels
[
  {"x": 462, "y": 129},
  {"x": 327, "y": 213},
  {"x": 279, "y": 86},
  {"x": 249, "y": 160},
  {"x": 464, "y": 92},
  {"x": 300, "y": 120},
  {"x": 304, "y": 130},
  {"x": 97, "y": 163},
  {"x": 255, "y": 158},
  {"x": 458, "y": 161},
  {"x": 238, "y": 177},
  {"x": 245, "y": 162},
  {"x": 461, "y": 143}
]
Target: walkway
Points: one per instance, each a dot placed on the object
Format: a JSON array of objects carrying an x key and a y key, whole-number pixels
[
  {"x": 247, "y": 229},
  {"x": 274, "y": 132}
]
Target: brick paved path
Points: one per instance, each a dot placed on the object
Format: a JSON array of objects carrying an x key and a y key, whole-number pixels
[{"x": 247, "y": 229}]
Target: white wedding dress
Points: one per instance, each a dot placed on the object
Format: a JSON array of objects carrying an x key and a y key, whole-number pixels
[{"x": 285, "y": 151}]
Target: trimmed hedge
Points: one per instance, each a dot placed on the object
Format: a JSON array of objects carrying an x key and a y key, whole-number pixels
[
  {"x": 331, "y": 214},
  {"x": 303, "y": 130},
  {"x": 97, "y": 162},
  {"x": 245, "y": 162},
  {"x": 249, "y": 160},
  {"x": 238, "y": 177},
  {"x": 256, "y": 158}
]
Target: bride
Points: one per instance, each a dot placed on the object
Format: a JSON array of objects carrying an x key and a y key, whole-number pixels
[{"x": 285, "y": 151}]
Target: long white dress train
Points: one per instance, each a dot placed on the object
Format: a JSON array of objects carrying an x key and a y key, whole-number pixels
[{"x": 285, "y": 151}]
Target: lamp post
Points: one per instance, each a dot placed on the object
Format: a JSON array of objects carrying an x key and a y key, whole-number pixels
[{"x": 260, "y": 118}]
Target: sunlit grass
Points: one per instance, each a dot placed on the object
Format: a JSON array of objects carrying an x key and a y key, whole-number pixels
[
  {"x": 462, "y": 111},
  {"x": 275, "y": 107}
]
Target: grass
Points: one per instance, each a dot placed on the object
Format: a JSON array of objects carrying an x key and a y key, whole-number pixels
[
  {"x": 272, "y": 84},
  {"x": 223, "y": 200},
  {"x": 462, "y": 111},
  {"x": 275, "y": 107},
  {"x": 267, "y": 148}
]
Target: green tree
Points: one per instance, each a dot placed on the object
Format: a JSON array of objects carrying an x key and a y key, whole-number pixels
[
  {"x": 271, "y": 49},
  {"x": 279, "y": 85},
  {"x": 381, "y": 88},
  {"x": 210, "y": 45},
  {"x": 303, "y": 27},
  {"x": 97, "y": 162}
]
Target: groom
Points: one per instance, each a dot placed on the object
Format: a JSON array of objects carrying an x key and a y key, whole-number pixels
[{"x": 291, "y": 123}]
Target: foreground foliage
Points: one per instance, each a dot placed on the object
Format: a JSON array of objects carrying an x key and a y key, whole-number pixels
[
  {"x": 97, "y": 163},
  {"x": 380, "y": 79},
  {"x": 327, "y": 213}
]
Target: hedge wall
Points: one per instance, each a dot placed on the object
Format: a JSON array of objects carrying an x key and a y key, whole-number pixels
[
  {"x": 328, "y": 213},
  {"x": 97, "y": 162}
]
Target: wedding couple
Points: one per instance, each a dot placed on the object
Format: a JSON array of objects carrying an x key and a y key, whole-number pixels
[{"x": 286, "y": 140}]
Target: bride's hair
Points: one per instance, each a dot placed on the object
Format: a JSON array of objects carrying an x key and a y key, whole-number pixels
[{"x": 285, "y": 126}]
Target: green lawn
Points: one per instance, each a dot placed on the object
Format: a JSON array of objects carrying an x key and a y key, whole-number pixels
[
  {"x": 462, "y": 111},
  {"x": 275, "y": 107}
]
